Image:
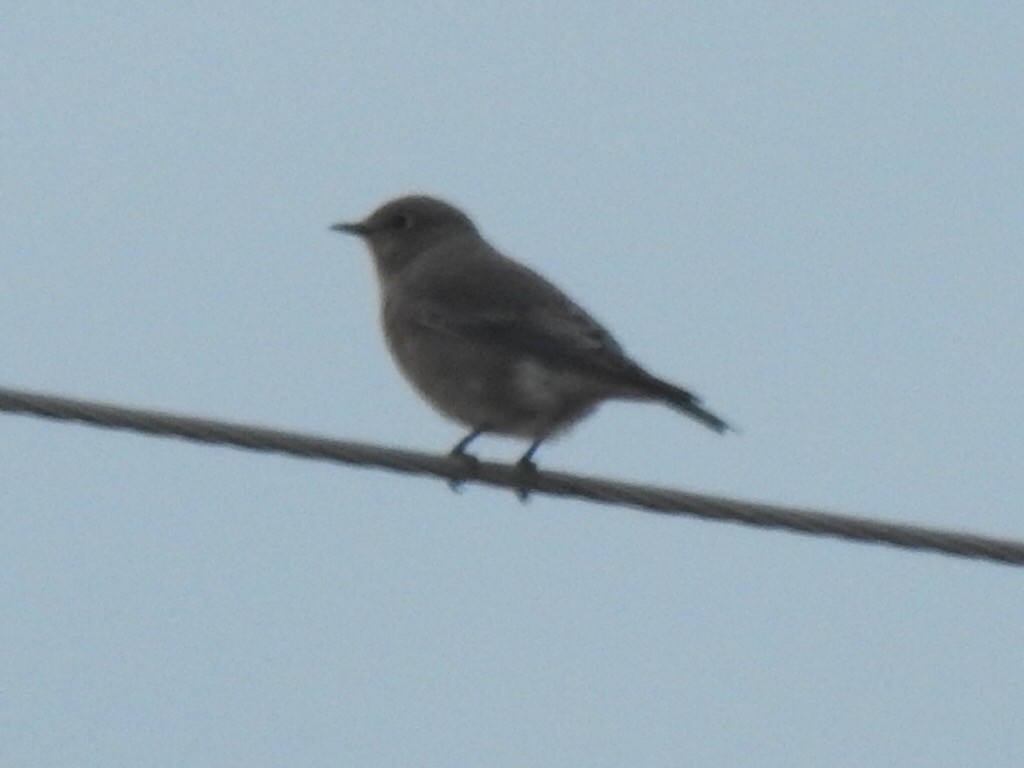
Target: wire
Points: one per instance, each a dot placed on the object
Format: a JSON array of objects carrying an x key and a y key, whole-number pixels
[{"x": 457, "y": 470}]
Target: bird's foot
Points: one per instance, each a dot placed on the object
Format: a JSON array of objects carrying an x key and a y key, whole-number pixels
[
  {"x": 528, "y": 473},
  {"x": 469, "y": 461}
]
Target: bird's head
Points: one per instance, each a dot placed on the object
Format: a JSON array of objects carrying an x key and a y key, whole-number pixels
[{"x": 402, "y": 229}]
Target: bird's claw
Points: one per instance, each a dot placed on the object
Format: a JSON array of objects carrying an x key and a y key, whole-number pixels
[
  {"x": 470, "y": 463},
  {"x": 528, "y": 472}
]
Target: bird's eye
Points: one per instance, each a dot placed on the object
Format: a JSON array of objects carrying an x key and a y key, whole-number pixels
[{"x": 400, "y": 221}]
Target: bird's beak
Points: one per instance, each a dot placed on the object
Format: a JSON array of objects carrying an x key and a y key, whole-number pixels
[{"x": 351, "y": 228}]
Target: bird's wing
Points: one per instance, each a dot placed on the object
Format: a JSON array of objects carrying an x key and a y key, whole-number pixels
[
  {"x": 511, "y": 306},
  {"x": 567, "y": 339}
]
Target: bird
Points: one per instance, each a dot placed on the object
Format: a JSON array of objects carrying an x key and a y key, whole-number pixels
[{"x": 487, "y": 341}]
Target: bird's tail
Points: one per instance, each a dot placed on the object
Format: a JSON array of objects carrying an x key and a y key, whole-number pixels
[{"x": 687, "y": 402}]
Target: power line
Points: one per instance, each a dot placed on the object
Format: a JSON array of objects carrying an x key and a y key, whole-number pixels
[{"x": 647, "y": 498}]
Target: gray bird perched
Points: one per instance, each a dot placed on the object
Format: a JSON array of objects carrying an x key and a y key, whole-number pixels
[{"x": 487, "y": 341}]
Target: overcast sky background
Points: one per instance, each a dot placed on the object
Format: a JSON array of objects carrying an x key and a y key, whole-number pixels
[{"x": 812, "y": 214}]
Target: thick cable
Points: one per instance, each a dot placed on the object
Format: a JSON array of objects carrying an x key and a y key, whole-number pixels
[{"x": 458, "y": 470}]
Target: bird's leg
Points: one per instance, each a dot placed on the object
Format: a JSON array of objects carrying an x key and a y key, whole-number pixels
[
  {"x": 463, "y": 444},
  {"x": 459, "y": 452},
  {"x": 528, "y": 468},
  {"x": 525, "y": 462}
]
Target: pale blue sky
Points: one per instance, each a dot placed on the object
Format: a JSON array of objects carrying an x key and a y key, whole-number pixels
[{"x": 812, "y": 214}]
